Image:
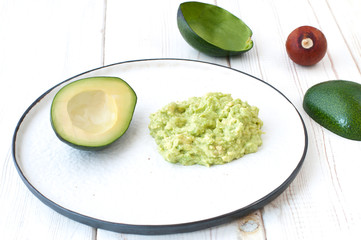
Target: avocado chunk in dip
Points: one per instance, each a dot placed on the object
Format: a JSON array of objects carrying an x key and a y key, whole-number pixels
[{"x": 208, "y": 130}]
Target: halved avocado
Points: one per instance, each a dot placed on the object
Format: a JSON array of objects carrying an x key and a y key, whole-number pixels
[
  {"x": 92, "y": 113},
  {"x": 336, "y": 105},
  {"x": 213, "y": 30}
]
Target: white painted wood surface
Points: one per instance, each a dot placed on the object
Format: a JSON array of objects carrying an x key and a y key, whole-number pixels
[{"x": 43, "y": 42}]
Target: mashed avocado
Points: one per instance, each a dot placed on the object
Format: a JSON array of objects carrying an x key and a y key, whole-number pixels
[{"x": 213, "y": 129}]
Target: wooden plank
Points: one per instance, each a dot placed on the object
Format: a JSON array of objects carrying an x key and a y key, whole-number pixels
[
  {"x": 41, "y": 44},
  {"x": 346, "y": 16}
]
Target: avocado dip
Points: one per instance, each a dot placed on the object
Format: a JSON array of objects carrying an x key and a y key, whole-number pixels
[{"x": 208, "y": 130}]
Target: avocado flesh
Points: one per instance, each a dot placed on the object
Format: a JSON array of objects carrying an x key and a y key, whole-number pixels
[
  {"x": 92, "y": 113},
  {"x": 336, "y": 105}
]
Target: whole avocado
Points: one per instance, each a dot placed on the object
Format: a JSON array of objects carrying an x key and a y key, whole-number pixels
[{"x": 336, "y": 105}]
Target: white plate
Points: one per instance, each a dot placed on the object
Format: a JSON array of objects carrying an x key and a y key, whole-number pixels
[{"x": 129, "y": 187}]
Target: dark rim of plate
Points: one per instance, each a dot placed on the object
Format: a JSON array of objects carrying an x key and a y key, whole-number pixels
[{"x": 158, "y": 229}]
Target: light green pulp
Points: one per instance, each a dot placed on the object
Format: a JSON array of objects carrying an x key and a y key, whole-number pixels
[{"x": 208, "y": 130}]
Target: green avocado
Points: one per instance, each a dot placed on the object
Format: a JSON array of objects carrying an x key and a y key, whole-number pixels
[
  {"x": 92, "y": 113},
  {"x": 213, "y": 30},
  {"x": 336, "y": 105}
]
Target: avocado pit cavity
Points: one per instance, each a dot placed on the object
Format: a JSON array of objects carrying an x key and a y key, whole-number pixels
[{"x": 92, "y": 111}]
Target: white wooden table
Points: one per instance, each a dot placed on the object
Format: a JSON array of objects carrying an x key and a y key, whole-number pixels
[{"x": 43, "y": 42}]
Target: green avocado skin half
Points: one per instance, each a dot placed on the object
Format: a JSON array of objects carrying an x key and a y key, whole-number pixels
[
  {"x": 77, "y": 146},
  {"x": 213, "y": 30},
  {"x": 92, "y": 100},
  {"x": 336, "y": 105}
]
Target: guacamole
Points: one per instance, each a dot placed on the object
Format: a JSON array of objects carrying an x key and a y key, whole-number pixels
[{"x": 208, "y": 130}]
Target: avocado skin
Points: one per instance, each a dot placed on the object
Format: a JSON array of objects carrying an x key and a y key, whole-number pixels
[
  {"x": 82, "y": 147},
  {"x": 199, "y": 43},
  {"x": 336, "y": 105}
]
